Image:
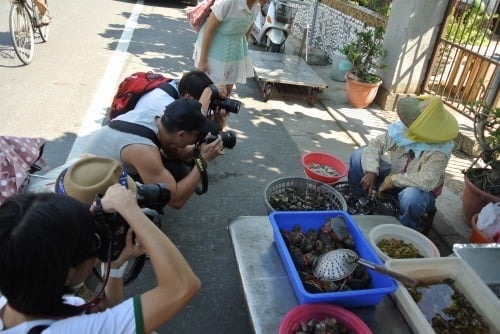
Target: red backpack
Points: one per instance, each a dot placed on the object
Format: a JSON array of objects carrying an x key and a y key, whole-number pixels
[{"x": 136, "y": 85}]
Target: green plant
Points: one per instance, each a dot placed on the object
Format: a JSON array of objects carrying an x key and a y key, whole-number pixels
[
  {"x": 470, "y": 26},
  {"x": 487, "y": 133},
  {"x": 365, "y": 53},
  {"x": 381, "y": 7}
]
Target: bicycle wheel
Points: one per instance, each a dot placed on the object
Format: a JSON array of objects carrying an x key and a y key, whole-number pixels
[
  {"x": 43, "y": 29},
  {"x": 21, "y": 32}
]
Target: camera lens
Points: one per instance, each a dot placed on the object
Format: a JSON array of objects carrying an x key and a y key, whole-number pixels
[
  {"x": 228, "y": 105},
  {"x": 154, "y": 196},
  {"x": 228, "y": 139}
]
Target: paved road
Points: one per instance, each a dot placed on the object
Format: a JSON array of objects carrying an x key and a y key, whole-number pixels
[{"x": 63, "y": 94}]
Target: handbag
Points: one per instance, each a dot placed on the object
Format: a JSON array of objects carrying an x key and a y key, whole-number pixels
[{"x": 198, "y": 14}]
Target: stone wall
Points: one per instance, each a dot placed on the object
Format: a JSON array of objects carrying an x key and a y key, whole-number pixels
[{"x": 335, "y": 25}]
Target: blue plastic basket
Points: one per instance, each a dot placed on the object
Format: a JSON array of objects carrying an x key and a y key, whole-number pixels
[{"x": 381, "y": 284}]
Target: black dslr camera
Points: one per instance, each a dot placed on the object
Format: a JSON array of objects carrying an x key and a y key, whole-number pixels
[
  {"x": 228, "y": 138},
  {"x": 112, "y": 227},
  {"x": 217, "y": 101},
  {"x": 225, "y": 103}
]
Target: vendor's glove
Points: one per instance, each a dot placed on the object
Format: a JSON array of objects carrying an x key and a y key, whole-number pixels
[{"x": 386, "y": 185}]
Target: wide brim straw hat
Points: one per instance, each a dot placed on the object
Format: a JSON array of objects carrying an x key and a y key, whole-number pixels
[
  {"x": 92, "y": 176},
  {"x": 427, "y": 119}
]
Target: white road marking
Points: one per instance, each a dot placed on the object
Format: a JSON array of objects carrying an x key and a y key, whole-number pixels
[{"x": 97, "y": 111}]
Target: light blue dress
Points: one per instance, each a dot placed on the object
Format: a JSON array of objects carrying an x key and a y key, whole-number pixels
[{"x": 228, "y": 57}]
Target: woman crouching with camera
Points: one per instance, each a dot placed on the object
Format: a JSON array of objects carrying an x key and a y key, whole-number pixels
[{"x": 48, "y": 243}]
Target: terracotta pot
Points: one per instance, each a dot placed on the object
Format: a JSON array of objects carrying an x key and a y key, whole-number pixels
[
  {"x": 360, "y": 94},
  {"x": 474, "y": 199},
  {"x": 477, "y": 237}
]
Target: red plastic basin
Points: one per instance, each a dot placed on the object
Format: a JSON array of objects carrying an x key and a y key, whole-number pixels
[
  {"x": 323, "y": 159},
  {"x": 305, "y": 312}
]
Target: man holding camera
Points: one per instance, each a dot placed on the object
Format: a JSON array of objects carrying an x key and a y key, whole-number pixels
[
  {"x": 181, "y": 124},
  {"x": 195, "y": 85}
]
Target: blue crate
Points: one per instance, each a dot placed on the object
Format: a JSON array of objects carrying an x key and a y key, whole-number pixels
[{"x": 381, "y": 284}]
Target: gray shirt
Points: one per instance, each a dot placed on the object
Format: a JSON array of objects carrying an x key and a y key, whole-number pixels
[{"x": 109, "y": 142}]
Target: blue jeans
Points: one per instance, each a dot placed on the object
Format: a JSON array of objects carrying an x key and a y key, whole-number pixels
[{"x": 413, "y": 202}]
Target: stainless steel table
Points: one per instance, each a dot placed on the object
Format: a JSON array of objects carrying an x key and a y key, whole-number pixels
[
  {"x": 484, "y": 259},
  {"x": 267, "y": 289}
]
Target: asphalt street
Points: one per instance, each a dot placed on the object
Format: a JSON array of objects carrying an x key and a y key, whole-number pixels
[{"x": 64, "y": 93}]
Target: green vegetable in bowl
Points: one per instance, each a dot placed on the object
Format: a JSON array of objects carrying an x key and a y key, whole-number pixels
[{"x": 398, "y": 249}]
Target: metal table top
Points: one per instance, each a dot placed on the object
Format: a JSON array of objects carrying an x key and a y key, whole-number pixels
[
  {"x": 285, "y": 69},
  {"x": 484, "y": 259},
  {"x": 267, "y": 289}
]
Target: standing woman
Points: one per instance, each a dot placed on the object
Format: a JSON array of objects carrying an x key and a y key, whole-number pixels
[{"x": 221, "y": 49}]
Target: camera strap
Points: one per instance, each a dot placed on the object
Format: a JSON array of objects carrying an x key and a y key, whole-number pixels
[
  {"x": 202, "y": 168},
  {"x": 135, "y": 129}
]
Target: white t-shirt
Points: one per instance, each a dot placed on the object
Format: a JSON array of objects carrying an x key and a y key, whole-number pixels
[
  {"x": 118, "y": 319},
  {"x": 157, "y": 99}
]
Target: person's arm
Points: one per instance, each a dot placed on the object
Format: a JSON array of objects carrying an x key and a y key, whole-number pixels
[
  {"x": 208, "y": 34},
  {"x": 114, "y": 289},
  {"x": 207, "y": 96},
  {"x": 177, "y": 284},
  {"x": 249, "y": 31},
  {"x": 147, "y": 161},
  {"x": 177, "y": 153},
  {"x": 370, "y": 159}
]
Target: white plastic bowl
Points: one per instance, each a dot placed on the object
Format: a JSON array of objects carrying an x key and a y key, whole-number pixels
[{"x": 424, "y": 245}]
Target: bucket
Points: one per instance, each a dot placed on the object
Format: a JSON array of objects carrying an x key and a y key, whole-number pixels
[
  {"x": 477, "y": 237},
  {"x": 340, "y": 66}
]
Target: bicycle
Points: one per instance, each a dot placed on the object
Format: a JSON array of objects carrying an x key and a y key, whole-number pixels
[{"x": 25, "y": 25}]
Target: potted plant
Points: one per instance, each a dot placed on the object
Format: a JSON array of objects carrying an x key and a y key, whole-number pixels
[
  {"x": 364, "y": 54},
  {"x": 482, "y": 183}
]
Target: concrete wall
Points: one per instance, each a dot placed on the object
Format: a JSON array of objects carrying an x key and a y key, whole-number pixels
[
  {"x": 411, "y": 32},
  {"x": 335, "y": 23}
]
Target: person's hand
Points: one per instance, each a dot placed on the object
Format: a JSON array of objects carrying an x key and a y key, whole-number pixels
[
  {"x": 116, "y": 197},
  {"x": 203, "y": 66},
  {"x": 386, "y": 185},
  {"x": 212, "y": 150},
  {"x": 219, "y": 116},
  {"x": 133, "y": 248},
  {"x": 367, "y": 182},
  {"x": 222, "y": 88}
]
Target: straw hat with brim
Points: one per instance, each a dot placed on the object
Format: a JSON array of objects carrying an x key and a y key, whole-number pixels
[
  {"x": 427, "y": 119},
  {"x": 90, "y": 177}
]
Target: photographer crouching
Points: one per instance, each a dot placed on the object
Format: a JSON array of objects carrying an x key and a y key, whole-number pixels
[
  {"x": 50, "y": 242},
  {"x": 179, "y": 125}
]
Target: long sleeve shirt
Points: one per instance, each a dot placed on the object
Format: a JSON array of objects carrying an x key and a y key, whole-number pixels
[{"x": 425, "y": 171}]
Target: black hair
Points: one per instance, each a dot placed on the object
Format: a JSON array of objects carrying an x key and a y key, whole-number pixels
[
  {"x": 193, "y": 83},
  {"x": 42, "y": 236}
]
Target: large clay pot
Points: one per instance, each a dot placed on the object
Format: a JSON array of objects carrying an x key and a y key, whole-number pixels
[
  {"x": 474, "y": 199},
  {"x": 360, "y": 94}
]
